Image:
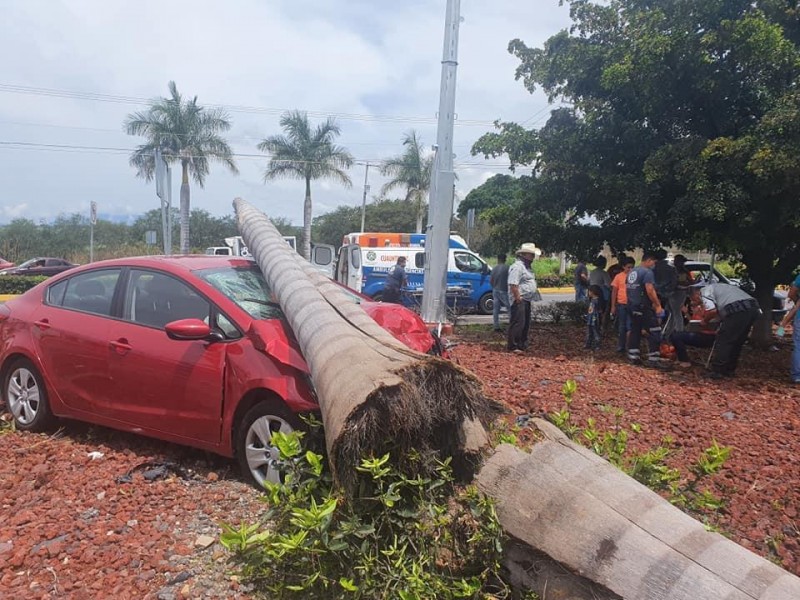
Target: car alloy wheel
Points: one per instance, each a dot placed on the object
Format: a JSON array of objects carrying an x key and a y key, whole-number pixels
[
  {"x": 258, "y": 456},
  {"x": 26, "y": 397}
]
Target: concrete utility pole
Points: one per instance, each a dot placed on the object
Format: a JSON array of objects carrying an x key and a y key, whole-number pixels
[
  {"x": 364, "y": 199},
  {"x": 163, "y": 176},
  {"x": 92, "y": 223},
  {"x": 440, "y": 211}
]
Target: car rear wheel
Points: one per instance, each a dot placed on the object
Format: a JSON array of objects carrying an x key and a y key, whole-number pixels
[
  {"x": 258, "y": 457},
  {"x": 26, "y": 397}
]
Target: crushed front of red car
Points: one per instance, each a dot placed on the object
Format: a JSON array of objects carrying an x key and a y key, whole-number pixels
[{"x": 406, "y": 326}]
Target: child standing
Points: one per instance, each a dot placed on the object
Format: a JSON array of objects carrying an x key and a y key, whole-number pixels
[{"x": 593, "y": 317}]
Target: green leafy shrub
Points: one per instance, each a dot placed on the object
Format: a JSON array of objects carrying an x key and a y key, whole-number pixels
[
  {"x": 398, "y": 537},
  {"x": 648, "y": 468},
  {"x": 554, "y": 280},
  {"x": 18, "y": 284},
  {"x": 564, "y": 311}
]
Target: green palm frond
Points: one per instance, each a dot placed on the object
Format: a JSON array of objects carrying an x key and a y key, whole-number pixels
[
  {"x": 411, "y": 170},
  {"x": 185, "y": 131},
  {"x": 303, "y": 153}
]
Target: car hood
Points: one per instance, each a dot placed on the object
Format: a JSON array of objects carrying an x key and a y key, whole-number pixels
[
  {"x": 271, "y": 337},
  {"x": 402, "y": 323}
]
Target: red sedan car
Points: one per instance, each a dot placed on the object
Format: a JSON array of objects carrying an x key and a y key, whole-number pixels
[{"x": 188, "y": 349}]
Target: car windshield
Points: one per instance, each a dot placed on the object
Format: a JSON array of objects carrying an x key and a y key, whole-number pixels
[
  {"x": 28, "y": 263},
  {"x": 246, "y": 287}
]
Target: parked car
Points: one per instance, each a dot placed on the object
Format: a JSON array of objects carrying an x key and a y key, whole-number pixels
[
  {"x": 40, "y": 266},
  {"x": 702, "y": 270},
  {"x": 4, "y": 264},
  {"x": 189, "y": 349}
]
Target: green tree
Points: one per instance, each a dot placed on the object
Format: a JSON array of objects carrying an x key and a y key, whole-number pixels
[
  {"x": 186, "y": 133},
  {"x": 498, "y": 190},
  {"x": 306, "y": 154},
  {"x": 680, "y": 128},
  {"x": 381, "y": 215},
  {"x": 412, "y": 171},
  {"x": 20, "y": 240}
]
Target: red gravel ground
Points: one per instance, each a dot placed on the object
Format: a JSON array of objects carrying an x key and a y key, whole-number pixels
[
  {"x": 69, "y": 530},
  {"x": 757, "y": 414}
]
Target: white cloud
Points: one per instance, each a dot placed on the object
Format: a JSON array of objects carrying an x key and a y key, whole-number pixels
[{"x": 355, "y": 57}]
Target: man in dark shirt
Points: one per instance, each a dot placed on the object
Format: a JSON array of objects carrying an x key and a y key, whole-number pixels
[
  {"x": 499, "y": 282},
  {"x": 645, "y": 311},
  {"x": 395, "y": 281},
  {"x": 666, "y": 277}
]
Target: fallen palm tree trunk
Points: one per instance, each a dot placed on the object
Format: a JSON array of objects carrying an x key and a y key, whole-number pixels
[
  {"x": 577, "y": 508},
  {"x": 375, "y": 394}
]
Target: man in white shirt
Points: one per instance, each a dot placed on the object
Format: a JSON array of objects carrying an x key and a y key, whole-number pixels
[{"x": 521, "y": 292}]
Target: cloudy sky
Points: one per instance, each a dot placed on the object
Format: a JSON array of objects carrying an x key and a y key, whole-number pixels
[{"x": 73, "y": 69}]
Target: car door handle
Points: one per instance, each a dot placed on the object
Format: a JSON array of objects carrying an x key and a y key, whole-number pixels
[
  {"x": 42, "y": 324},
  {"x": 121, "y": 346}
]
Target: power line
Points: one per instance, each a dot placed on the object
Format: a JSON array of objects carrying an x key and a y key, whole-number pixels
[
  {"x": 17, "y": 145},
  {"x": 117, "y": 99}
]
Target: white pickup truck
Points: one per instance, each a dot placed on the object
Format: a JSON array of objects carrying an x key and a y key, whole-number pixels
[{"x": 322, "y": 255}]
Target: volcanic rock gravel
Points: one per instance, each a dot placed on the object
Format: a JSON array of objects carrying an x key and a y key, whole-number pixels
[{"x": 73, "y": 526}]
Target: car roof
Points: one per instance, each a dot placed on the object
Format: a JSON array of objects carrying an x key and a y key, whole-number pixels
[
  {"x": 178, "y": 262},
  {"x": 183, "y": 263}
]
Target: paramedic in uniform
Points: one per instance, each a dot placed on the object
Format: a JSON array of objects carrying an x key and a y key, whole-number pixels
[
  {"x": 395, "y": 281},
  {"x": 645, "y": 310}
]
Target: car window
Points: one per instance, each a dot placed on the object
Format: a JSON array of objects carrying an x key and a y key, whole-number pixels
[
  {"x": 246, "y": 287},
  {"x": 55, "y": 293},
  {"x": 226, "y": 326},
  {"x": 92, "y": 292},
  {"x": 355, "y": 257},
  {"x": 155, "y": 299},
  {"x": 419, "y": 260},
  {"x": 469, "y": 263}
]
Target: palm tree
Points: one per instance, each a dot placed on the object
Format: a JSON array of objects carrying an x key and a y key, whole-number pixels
[
  {"x": 306, "y": 154},
  {"x": 185, "y": 132},
  {"x": 411, "y": 170}
]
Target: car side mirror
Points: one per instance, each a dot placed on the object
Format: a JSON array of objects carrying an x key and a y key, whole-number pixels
[
  {"x": 189, "y": 330},
  {"x": 485, "y": 269}
]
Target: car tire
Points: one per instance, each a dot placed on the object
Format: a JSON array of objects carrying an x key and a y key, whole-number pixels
[
  {"x": 26, "y": 397},
  {"x": 486, "y": 304},
  {"x": 378, "y": 297},
  {"x": 258, "y": 459}
]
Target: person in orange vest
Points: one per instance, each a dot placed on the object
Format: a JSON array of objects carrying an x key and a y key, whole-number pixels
[{"x": 619, "y": 304}]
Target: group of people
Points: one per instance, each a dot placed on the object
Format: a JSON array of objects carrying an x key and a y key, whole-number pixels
[
  {"x": 655, "y": 300},
  {"x": 650, "y": 300}
]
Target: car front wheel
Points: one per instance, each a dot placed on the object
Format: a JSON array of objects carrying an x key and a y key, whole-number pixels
[
  {"x": 26, "y": 397},
  {"x": 486, "y": 304},
  {"x": 258, "y": 457}
]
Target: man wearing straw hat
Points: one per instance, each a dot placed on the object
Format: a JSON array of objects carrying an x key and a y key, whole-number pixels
[{"x": 521, "y": 292}]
